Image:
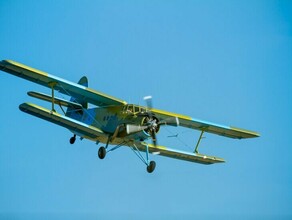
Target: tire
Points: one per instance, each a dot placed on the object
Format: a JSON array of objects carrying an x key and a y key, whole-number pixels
[
  {"x": 101, "y": 152},
  {"x": 72, "y": 140},
  {"x": 151, "y": 167}
]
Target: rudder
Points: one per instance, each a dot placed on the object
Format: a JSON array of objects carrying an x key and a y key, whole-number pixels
[{"x": 72, "y": 112}]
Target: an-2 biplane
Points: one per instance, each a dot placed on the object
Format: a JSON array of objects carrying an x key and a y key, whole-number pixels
[{"x": 114, "y": 122}]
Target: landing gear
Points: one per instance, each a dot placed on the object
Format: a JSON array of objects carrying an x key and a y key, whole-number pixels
[
  {"x": 73, "y": 139},
  {"x": 101, "y": 152},
  {"x": 151, "y": 167}
]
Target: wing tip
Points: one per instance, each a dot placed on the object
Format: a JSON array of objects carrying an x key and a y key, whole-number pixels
[
  {"x": 8, "y": 62},
  {"x": 246, "y": 133}
]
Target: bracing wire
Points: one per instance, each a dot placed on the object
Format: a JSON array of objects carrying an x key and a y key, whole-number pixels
[
  {"x": 176, "y": 135},
  {"x": 86, "y": 110}
]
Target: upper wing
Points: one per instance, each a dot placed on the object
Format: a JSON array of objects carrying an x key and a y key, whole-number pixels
[
  {"x": 205, "y": 126},
  {"x": 61, "y": 85},
  {"x": 181, "y": 155}
]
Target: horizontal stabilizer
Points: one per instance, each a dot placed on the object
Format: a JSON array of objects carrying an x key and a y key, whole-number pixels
[
  {"x": 69, "y": 123},
  {"x": 57, "y": 101},
  {"x": 181, "y": 155}
]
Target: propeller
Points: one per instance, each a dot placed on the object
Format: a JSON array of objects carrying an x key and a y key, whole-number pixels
[{"x": 151, "y": 124}]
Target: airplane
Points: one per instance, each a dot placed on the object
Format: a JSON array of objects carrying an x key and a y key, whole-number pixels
[{"x": 113, "y": 121}]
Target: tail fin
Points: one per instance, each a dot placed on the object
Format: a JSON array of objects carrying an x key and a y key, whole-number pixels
[{"x": 72, "y": 112}]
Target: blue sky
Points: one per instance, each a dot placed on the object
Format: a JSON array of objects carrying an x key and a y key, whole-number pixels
[{"x": 228, "y": 62}]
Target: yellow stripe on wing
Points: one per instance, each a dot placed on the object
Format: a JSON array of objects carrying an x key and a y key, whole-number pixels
[{"x": 170, "y": 114}]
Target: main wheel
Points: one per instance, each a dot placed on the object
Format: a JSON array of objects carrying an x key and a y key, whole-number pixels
[
  {"x": 101, "y": 152},
  {"x": 151, "y": 167}
]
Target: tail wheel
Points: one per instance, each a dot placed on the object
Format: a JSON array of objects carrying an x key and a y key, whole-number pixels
[
  {"x": 101, "y": 152},
  {"x": 72, "y": 139},
  {"x": 151, "y": 167}
]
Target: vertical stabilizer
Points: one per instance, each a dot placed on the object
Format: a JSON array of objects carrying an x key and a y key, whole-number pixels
[{"x": 75, "y": 113}]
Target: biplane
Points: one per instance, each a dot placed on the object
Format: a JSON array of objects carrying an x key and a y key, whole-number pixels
[{"x": 112, "y": 121}]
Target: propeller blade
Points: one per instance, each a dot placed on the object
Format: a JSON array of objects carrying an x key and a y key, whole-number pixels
[
  {"x": 173, "y": 121},
  {"x": 134, "y": 128},
  {"x": 153, "y": 136},
  {"x": 148, "y": 100}
]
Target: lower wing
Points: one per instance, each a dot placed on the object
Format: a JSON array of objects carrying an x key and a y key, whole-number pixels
[
  {"x": 181, "y": 155},
  {"x": 75, "y": 126}
]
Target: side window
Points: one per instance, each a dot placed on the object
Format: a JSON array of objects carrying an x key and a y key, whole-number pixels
[{"x": 137, "y": 109}]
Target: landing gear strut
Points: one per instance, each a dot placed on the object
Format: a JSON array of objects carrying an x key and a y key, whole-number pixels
[
  {"x": 150, "y": 165},
  {"x": 73, "y": 139},
  {"x": 102, "y": 150}
]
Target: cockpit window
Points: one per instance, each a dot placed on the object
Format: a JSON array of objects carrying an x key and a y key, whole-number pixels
[
  {"x": 133, "y": 109},
  {"x": 130, "y": 108}
]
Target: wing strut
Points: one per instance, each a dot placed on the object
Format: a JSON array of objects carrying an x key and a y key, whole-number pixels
[
  {"x": 52, "y": 85},
  {"x": 198, "y": 143}
]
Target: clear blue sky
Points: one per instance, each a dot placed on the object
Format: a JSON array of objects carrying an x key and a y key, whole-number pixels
[{"x": 228, "y": 62}]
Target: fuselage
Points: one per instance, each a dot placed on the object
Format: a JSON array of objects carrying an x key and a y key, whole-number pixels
[{"x": 113, "y": 119}]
